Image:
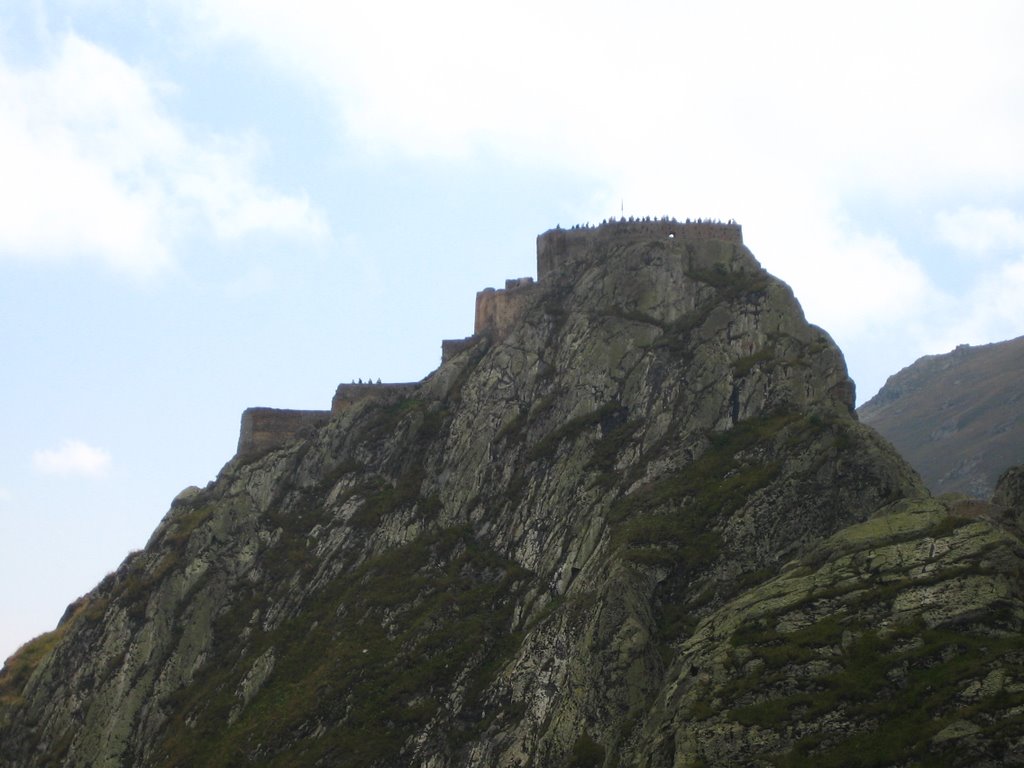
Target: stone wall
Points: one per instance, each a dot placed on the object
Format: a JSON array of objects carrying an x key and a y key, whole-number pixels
[
  {"x": 348, "y": 395},
  {"x": 497, "y": 310},
  {"x": 559, "y": 250},
  {"x": 452, "y": 347},
  {"x": 264, "y": 429}
]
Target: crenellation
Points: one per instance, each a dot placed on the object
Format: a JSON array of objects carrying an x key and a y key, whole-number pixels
[
  {"x": 561, "y": 251},
  {"x": 518, "y": 282}
]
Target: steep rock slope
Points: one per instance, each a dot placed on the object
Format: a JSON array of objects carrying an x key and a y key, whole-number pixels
[
  {"x": 895, "y": 642},
  {"x": 518, "y": 563},
  {"x": 958, "y": 418}
]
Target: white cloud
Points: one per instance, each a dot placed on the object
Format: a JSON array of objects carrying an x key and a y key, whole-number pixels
[
  {"x": 695, "y": 86},
  {"x": 980, "y": 231},
  {"x": 94, "y": 168},
  {"x": 5, "y": 495},
  {"x": 775, "y": 114},
  {"x": 865, "y": 279},
  {"x": 992, "y": 309},
  {"x": 73, "y": 457},
  {"x": 767, "y": 113}
]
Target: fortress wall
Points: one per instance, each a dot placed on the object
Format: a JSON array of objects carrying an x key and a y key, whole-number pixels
[
  {"x": 452, "y": 347},
  {"x": 498, "y": 310},
  {"x": 348, "y": 395},
  {"x": 264, "y": 429},
  {"x": 559, "y": 250}
]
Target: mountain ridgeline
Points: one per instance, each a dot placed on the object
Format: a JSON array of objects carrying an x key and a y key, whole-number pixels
[
  {"x": 958, "y": 418},
  {"x": 634, "y": 523}
]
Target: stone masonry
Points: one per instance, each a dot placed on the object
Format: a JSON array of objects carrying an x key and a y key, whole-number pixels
[{"x": 560, "y": 252}]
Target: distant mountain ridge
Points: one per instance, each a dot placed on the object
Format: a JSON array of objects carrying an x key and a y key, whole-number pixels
[{"x": 958, "y": 418}]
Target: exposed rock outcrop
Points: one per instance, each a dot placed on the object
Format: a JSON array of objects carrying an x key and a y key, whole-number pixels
[
  {"x": 642, "y": 528},
  {"x": 895, "y": 642}
]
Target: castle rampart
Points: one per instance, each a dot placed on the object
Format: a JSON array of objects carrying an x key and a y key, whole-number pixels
[
  {"x": 497, "y": 310},
  {"x": 452, "y": 347},
  {"x": 559, "y": 253},
  {"x": 560, "y": 250},
  {"x": 264, "y": 429}
]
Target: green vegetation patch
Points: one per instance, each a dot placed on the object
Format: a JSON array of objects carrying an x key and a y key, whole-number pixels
[
  {"x": 670, "y": 521},
  {"x": 19, "y": 667},
  {"x": 744, "y": 365},
  {"x": 362, "y": 665},
  {"x": 898, "y": 687},
  {"x": 546, "y": 446},
  {"x": 730, "y": 283},
  {"x": 777, "y": 649},
  {"x": 185, "y": 523},
  {"x": 423, "y": 419},
  {"x": 586, "y": 753}
]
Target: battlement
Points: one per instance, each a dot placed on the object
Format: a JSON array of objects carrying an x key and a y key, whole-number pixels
[{"x": 560, "y": 250}]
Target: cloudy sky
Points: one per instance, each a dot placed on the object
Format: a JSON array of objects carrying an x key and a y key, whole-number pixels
[{"x": 215, "y": 204}]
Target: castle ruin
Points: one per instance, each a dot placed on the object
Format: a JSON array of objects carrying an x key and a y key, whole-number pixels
[
  {"x": 562, "y": 252},
  {"x": 264, "y": 429},
  {"x": 560, "y": 255}
]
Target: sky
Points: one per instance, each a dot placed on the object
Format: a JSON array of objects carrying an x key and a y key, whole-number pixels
[{"x": 208, "y": 205}]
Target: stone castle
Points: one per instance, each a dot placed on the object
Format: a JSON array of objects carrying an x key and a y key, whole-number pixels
[{"x": 560, "y": 254}]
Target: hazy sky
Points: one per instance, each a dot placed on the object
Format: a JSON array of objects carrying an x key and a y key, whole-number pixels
[{"x": 216, "y": 204}]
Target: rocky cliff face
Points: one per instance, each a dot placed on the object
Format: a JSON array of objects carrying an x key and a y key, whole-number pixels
[
  {"x": 643, "y": 528},
  {"x": 958, "y": 418}
]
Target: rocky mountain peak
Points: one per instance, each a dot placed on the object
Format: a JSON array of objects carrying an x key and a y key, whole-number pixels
[{"x": 535, "y": 556}]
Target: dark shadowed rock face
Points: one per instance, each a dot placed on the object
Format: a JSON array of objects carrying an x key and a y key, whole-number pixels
[
  {"x": 642, "y": 528},
  {"x": 958, "y": 418},
  {"x": 1010, "y": 488}
]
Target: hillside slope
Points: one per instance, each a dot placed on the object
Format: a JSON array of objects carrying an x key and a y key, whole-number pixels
[
  {"x": 958, "y": 418},
  {"x": 641, "y": 526}
]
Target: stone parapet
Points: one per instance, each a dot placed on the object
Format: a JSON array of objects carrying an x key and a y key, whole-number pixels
[
  {"x": 560, "y": 251},
  {"x": 497, "y": 310},
  {"x": 264, "y": 429},
  {"x": 452, "y": 347}
]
